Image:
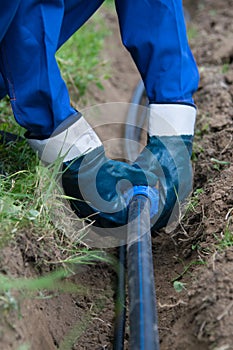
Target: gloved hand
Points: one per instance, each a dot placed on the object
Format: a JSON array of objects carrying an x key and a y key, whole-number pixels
[
  {"x": 167, "y": 155},
  {"x": 100, "y": 184},
  {"x": 96, "y": 183}
]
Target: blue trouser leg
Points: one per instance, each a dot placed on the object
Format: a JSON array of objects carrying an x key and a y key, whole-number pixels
[
  {"x": 8, "y": 10},
  {"x": 154, "y": 33},
  {"x": 39, "y": 96},
  {"x": 3, "y": 90}
]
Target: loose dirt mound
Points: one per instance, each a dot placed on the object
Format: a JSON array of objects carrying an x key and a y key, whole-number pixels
[{"x": 206, "y": 320}]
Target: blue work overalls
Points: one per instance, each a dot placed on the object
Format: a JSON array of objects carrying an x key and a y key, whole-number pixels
[{"x": 31, "y": 31}]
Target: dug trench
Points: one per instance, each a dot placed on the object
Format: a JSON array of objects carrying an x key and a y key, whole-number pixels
[{"x": 198, "y": 253}]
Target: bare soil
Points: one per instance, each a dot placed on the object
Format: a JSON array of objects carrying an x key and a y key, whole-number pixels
[{"x": 200, "y": 317}]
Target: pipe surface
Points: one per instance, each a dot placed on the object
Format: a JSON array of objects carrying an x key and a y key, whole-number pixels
[
  {"x": 142, "y": 298},
  {"x": 120, "y": 308},
  {"x": 134, "y": 122}
]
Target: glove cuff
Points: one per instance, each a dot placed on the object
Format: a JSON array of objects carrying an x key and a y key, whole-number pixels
[
  {"x": 171, "y": 119},
  {"x": 75, "y": 139}
]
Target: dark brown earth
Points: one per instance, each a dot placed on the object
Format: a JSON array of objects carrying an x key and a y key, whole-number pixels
[{"x": 198, "y": 253}]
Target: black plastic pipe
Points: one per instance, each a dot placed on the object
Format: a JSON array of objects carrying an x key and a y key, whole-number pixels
[
  {"x": 134, "y": 121},
  {"x": 142, "y": 298},
  {"x": 120, "y": 304}
]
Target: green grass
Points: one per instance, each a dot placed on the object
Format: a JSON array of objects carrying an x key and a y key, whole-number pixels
[
  {"x": 226, "y": 238},
  {"x": 80, "y": 60},
  {"x": 29, "y": 191},
  {"x": 192, "y": 32},
  {"x": 186, "y": 269},
  {"x": 193, "y": 201},
  {"x": 225, "y": 68},
  {"x": 24, "y": 201}
]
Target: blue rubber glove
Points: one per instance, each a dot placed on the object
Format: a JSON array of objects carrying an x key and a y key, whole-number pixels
[
  {"x": 100, "y": 185},
  {"x": 96, "y": 183},
  {"x": 167, "y": 155}
]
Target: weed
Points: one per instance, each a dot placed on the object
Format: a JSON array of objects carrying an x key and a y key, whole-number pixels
[
  {"x": 54, "y": 281},
  {"x": 226, "y": 239},
  {"x": 225, "y": 68},
  {"x": 8, "y": 302},
  {"x": 194, "y": 200},
  {"x": 205, "y": 128},
  {"x": 217, "y": 164},
  {"x": 23, "y": 203},
  {"x": 197, "y": 149},
  {"x": 187, "y": 268},
  {"x": 178, "y": 286},
  {"x": 88, "y": 257},
  {"x": 192, "y": 32}
]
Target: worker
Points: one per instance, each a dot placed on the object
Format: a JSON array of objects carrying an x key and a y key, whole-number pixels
[{"x": 154, "y": 33}]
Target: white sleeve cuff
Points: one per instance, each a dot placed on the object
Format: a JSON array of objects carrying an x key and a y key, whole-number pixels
[
  {"x": 171, "y": 119},
  {"x": 76, "y": 140}
]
